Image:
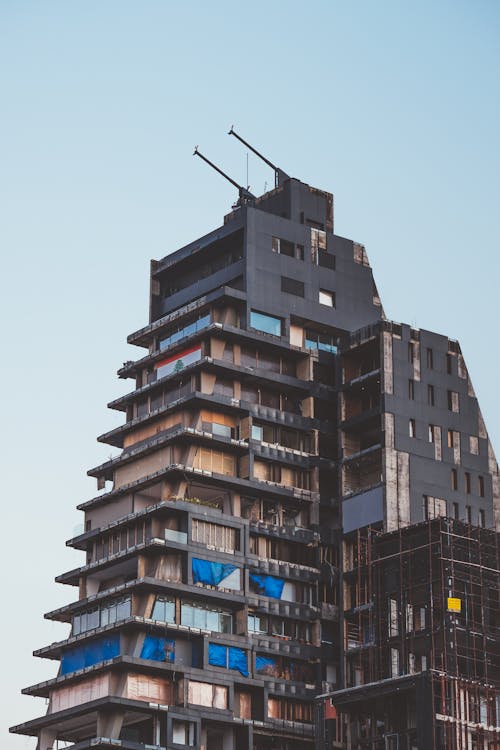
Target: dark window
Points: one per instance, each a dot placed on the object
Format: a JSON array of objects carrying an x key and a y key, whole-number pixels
[
  {"x": 292, "y": 286},
  {"x": 412, "y": 429},
  {"x": 430, "y": 359},
  {"x": 481, "y": 486},
  {"x": 453, "y": 401},
  {"x": 411, "y": 352},
  {"x": 411, "y": 390},
  {"x": 326, "y": 260},
  {"x": 467, "y": 482},
  {"x": 456, "y": 511},
  {"x": 430, "y": 395},
  {"x": 482, "y": 518},
  {"x": 468, "y": 512},
  {"x": 454, "y": 479}
]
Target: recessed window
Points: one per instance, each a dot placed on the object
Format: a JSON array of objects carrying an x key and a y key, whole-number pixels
[
  {"x": 456, "y": 511},
  {"x": 468, "y": 513},
  {"x": 266, "y": 323},
  {"x": 467, "y": 482},
  {"x": 474, "y": 445},
  {"x": 412, "y": 428},
  {"x": 482, "y": 518},
  {"x": 430, "y": 395},
  {"x": 292, "y": 286},
  {"x": 430, "y": 359},
  {"x": 411, "y": 390},
  {"x": 453, "y": 401},
  {"x": 411, "y": 352},
  {"x": 326, "y": 298},
  {"x": 431, "y": 433},
  {"x": 449, "y": 360},
  {"x": 283, "y": 247},
  {"x": 454, "y": 479},
  {"x": 481, "y": 486},
  {"x": 324, "y": 342}
]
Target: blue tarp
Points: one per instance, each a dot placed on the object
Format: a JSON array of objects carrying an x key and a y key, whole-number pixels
[
  {"x": 228, "y": 657},
  {"x": 238, "y": 660},
  {"x": 211, "y": 573},
  {"x": 217, "y": 655},
  {"x": 268, "y": 585},
  {"x": 90, "y": 654},
  {"x": 264, "y": 664},
  {"x": 158, "y": 649}
]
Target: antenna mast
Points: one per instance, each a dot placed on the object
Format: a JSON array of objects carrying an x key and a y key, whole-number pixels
[
  {"x": 279, "y": 175},
  {"x": 245, "y": 196}
]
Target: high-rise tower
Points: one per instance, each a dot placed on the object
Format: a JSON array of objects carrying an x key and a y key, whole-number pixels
[{"x": 279, "y": 426}]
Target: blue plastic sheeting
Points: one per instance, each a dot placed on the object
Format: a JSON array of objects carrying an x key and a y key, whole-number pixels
[
  {"x": 228, "y": 657},
  {"x": 91, "y": 653},
  {"x": 268, "y": 585},
  {"x": 211, "y": 573},
  {"x": 264, "y": 663},
  {"x": 238, "y": 660},
  {"x": 158, "y": 649},
  {"x": 217, "y": 655}
]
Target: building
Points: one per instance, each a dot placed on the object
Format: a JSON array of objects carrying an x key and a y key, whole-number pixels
[{"x": 281, "y": 436}]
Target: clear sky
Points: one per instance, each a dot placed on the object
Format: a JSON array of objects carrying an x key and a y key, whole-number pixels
[{"x": 392, "y": 106}]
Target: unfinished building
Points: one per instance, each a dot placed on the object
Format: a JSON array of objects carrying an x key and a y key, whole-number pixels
[{"x": 301, "y": 489}]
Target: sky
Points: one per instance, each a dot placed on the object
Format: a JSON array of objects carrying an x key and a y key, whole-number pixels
[{"x": 392, "y": 106}]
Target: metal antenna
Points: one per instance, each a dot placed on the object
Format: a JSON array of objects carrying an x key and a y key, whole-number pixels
[
  {"x": 279, "y": 175},
  {"x": 245, "y": 196}
]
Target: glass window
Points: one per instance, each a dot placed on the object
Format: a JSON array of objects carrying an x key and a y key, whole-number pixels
[
  {"x": 257, "y": 432},
  {"x": 315, "y": 340},
  {"x": 207, "y": 619},
  {"x": 326, "y": 298},
  {"x": 221, "y": 429},
  {"x": 257, "y": 623},
  {"x": 265, "y": 323},
  {"x": 187, "y": 330},
  {"x": 164, "y": 609}
]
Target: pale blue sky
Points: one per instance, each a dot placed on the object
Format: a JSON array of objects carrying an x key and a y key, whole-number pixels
[{"x": 392, "y": 106}]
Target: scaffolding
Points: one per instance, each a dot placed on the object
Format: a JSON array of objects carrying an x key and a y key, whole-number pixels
[{"x": 421, "y": 647}]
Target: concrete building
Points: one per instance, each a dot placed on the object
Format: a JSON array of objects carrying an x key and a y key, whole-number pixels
[{"x": 279, "y": 428}]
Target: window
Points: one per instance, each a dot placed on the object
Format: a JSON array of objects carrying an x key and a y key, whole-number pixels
[
  {"x": 265, "y": 323},
  {"x": 257, "y": 623},
  {"x": 292, "y": 286},
  {"x": 411, "y": 390},
  {"x": 411, "y": 352},
  {"x": 453, "y": 401},
  {"x": 454, "y": 479},
  {"x": 434, "y": 507},
  {"x": 318, "y": 242},
  {"x": 468, "y": 513},
  {"x": 431, "y": 433},
  {"x": 456, "y": 511},
  {"x": 94, "y": 617},
  {"x": 482, "y": 518},
  {"x": 481, "y": 486},
  {"x": 326, "y": 298},
  {"x": 474, "y": 445},
  {"x": 197, "y": 616},
  {"x": 164, "y": 609},
  {"x": 257, "y": 432},
  {"x": 467, "y": 482},
  {"x": 430, "y": 359},
  {"x": 285, "y": 247},
  {"x": 186, "y": 330},
  {"x": 430, "y": 395},
  {"x": 321, "y": 341},
  {"x": 412, "y": 428},
  {"x": 183, "y": 733}
]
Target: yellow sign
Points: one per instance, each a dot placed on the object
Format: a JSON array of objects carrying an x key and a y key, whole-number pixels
[{"x": 454, "y": 605}]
